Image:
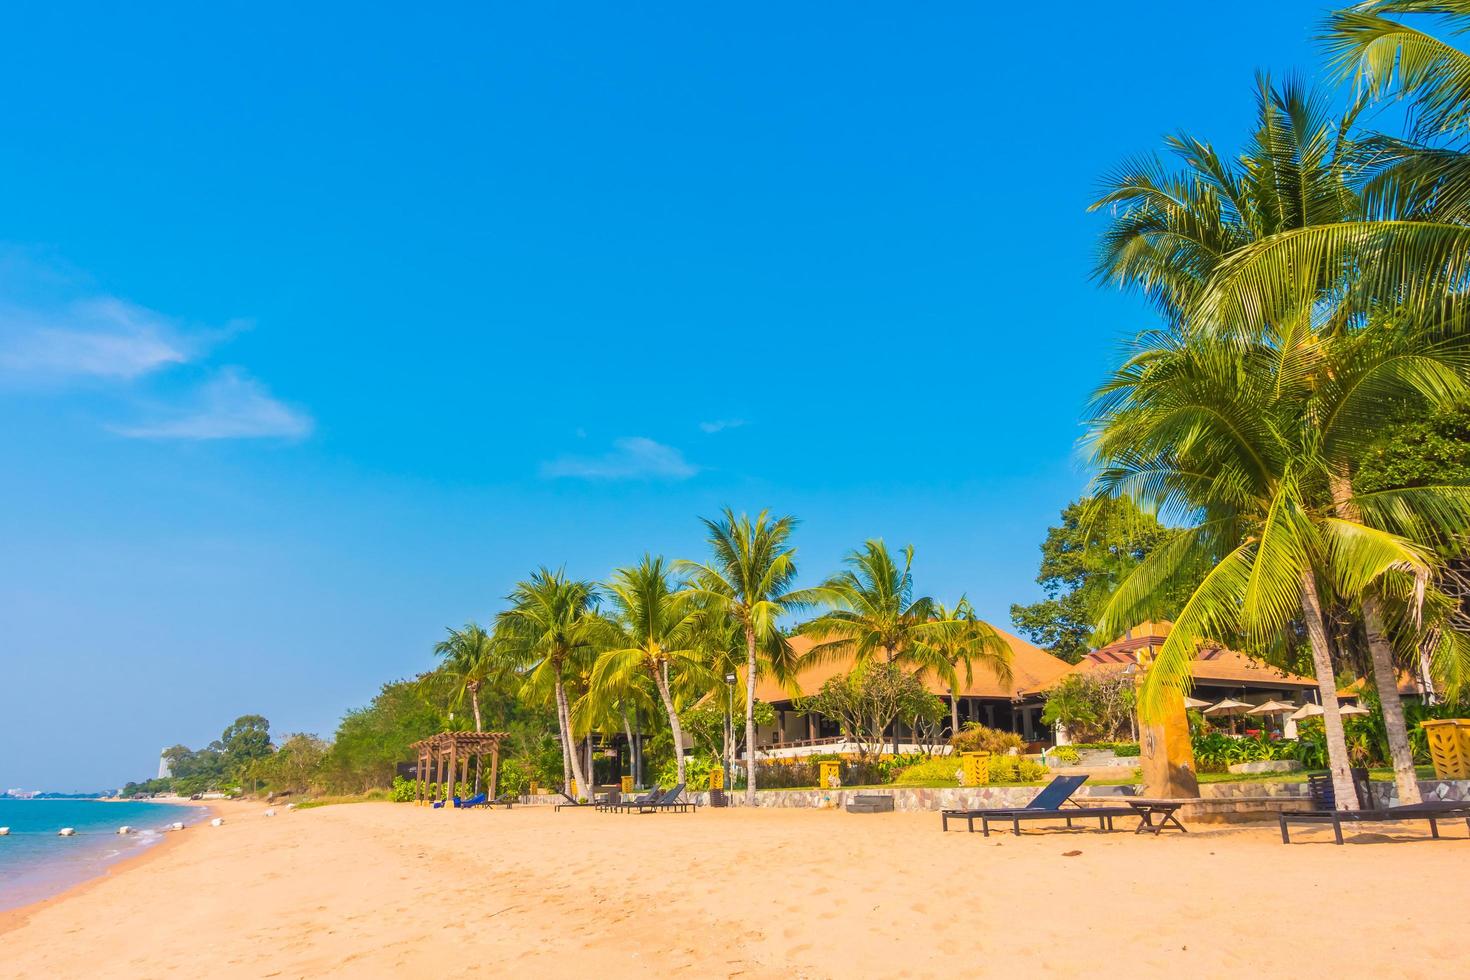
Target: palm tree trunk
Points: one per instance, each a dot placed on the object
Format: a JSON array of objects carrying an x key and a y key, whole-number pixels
[
  {"x": 628, "y": 734},
  {"x": 569, "y": 744},
  {"x": 661, "y": 680},
  {"x": 750, "y": 667},
  {"x": 1337, "y": 756},
  {"x": 561, "y": 738},
  {"x": 954, "y": 713},
  {"x": 474, "y": 687},
  {"x": 1385, "y": 675},
  {"x": 1385, "y": 671}
]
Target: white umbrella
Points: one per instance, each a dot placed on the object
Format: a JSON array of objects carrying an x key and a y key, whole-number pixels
[
  {"x": 1272, "y": 708},
  {"x": 1315, "y": 711},
  {"x": 1227, "y": 707},
  {"x": 1194, "y": 704}
]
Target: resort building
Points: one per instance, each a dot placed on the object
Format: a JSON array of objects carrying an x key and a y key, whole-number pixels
[
  {"x": 1013, "y": 707},
  {"x": 1218, "y": 672}
]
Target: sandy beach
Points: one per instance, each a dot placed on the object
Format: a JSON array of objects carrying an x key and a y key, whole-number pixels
[{"x": 380, "y": 890}]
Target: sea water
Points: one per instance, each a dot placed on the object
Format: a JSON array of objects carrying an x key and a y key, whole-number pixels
[{"x": 35, "y": 862}]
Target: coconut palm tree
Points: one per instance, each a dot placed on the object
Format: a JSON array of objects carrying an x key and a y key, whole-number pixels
[
  {"x": 553, "y": 627},
  {"x": 872, "y": 612},
  {"x": 1175, "y": 236},
  {"x": 1392, "y": 57},
  {"x": 1242, "y": 441},
  {"x": 749, "y": 579},
  {"x": 952, "y": 642},
  {"x": 468, "y": 657},
  {"x": 653, "y": 625}
]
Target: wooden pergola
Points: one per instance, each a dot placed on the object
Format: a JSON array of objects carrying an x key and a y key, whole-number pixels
[{"x": 445, "y": 759}]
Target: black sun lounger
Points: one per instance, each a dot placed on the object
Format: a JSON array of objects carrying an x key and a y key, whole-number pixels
[
  {"x": 1049, "y": 800},
  {"x": 609, "y": 803},
  {"x": 1430, "y": 813},
  {"x": 570, "y": 801},
  {"x": 670, "y": 803}
]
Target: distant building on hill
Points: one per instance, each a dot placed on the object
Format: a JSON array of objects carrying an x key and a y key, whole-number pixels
[{"x": 164, "y": 769}]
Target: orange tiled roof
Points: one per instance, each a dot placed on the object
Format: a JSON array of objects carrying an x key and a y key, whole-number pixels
[
  {"x": 1213, "y": 664},
  {"x": 1033, "y": 670}
]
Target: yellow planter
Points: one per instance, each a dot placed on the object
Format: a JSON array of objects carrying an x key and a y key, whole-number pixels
[
  {"x": 976, "y": 768},
  {"x": 627, "y": 784},
  {"x": 717, "y": 779},
  {"x": 1449, "y": 747},
  {"x": 831, "y": 775}
]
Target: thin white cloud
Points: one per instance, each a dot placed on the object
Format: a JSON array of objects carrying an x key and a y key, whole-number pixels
[
  {"x": 632, "y": 458},
  {"x": 229, "y": 406},
  {"x": 100, "y": 337},
  {"x": 720, "y": 425}
]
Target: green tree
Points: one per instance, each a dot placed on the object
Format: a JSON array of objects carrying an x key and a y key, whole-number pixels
[
  {"x": 952, "y": 642},
  {"x": 1096, "y": 545},
  {"x": 653, "y": 627},
  {"x": 1092, "y": 707},
  {"x": 864, "y": 703},
  {"x": 749, "y": 579},
  {"x": 247, "y": 739},
  {"x": 1244, "y": 441},
  {"x": 553, "y": 626},
  {"x": 471, "y": 660}
]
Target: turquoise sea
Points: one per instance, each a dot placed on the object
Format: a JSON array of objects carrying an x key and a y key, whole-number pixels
[{"x": 35, "y": 862}]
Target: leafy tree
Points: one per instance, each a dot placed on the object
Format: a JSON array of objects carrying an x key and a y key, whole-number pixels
[
  {"x": 1083, "y": 559},
  {"x": 1096, "y": 707},
  {"x": 952, "y": 642},
  {"x": 372, "y": 740},
  {"x": 865, "y": 701},
  {"x": 471, "y": 660},
  {"x": 247, "y": 739},
  {"x": 1422, "y": 450}
]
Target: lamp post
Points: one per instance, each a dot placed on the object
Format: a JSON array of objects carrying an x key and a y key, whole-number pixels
[{"x": 729, "y": 724}]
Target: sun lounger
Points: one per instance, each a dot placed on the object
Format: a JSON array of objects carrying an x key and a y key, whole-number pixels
[
  {"x": 609, "y": 803},
  {"x": 506, "y": 800},
  {"x": 670, "y": 802},
  {"x": 1430, "y": 813},
  {"x": 570, "y": 801},
  {"x": 1050, "y": 799},
  {"x": 477, "y": 800}
]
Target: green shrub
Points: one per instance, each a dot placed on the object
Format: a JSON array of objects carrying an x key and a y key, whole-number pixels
[
  {"x": 1065, "y": 754},
  {"x": 403, "y": 791},
  {"x": 942, "y": 769},
  {"x": 977, "y": 738},
  {"x": 1015, "y": 769},
  {"x": 1122, "y": 750}
]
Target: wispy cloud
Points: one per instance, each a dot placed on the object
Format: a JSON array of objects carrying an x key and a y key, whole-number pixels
[
  {"x": 632, "y": 458},
  {"x": 100, "y": 337},
  {"x": 231, "y": 405},
  {"x": 720, "y": 425}
]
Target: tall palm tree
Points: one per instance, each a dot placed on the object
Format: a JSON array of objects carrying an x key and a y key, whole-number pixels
[
  {"x": 1177, "y": 236},
  {"x": 872, "y": 611},
  {"x": 553, "y": 626},
  {"x": 653, "y": 625},
  {"x": 1240, "y": 441},
  {"x": 749, "y": 578},
  {"x": 956, "y": 640},
  {"x": 469, "y": 658}
]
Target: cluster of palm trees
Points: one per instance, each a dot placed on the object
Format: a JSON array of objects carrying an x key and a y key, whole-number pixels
[
  {"x": 1311, "y": 291},
  {"x": 667, "y": 634}
]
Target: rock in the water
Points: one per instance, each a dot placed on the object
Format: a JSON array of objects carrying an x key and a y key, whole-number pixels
[
  {"x": 67, "y": 832},
  {"x": 125, "y": 829}
]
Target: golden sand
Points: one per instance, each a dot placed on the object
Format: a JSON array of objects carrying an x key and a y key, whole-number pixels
[{"x": 382, "y": 890}]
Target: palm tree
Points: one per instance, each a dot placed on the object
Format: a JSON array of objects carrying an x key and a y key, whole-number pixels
[
  {"x": 1386, "y": 56},
  {"x": 1176, "y": 237},
  {"x": 552, "y": 626},
  {"x": 468, "y": 658},
  {"x": 653, "y": 631},
  {"x": 956, "y": 639},
  {"x": 1242, "y": 441},
  {"x": 872, "y": 611},
  {"x": 749, "y": 579}
]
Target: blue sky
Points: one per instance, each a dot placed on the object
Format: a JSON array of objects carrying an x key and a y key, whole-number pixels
[{"x": 319, "y": 325}]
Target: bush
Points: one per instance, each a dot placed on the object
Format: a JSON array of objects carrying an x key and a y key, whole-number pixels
[
  {"x": 403, "y": 791},
  {"x": 1015, "y": 769},
  {"x": 942, "y": 769},
  {"x": 1065, "y": 754},
  {"x": 1123, "y": 750},
  {"x": 977, "y": 738}
]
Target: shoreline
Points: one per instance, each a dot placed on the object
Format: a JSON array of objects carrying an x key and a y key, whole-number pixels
[{"x": 12, "y": 919}]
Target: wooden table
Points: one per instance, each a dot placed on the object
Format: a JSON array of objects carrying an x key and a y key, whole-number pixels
[{"x": 1148, "y": 808}]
